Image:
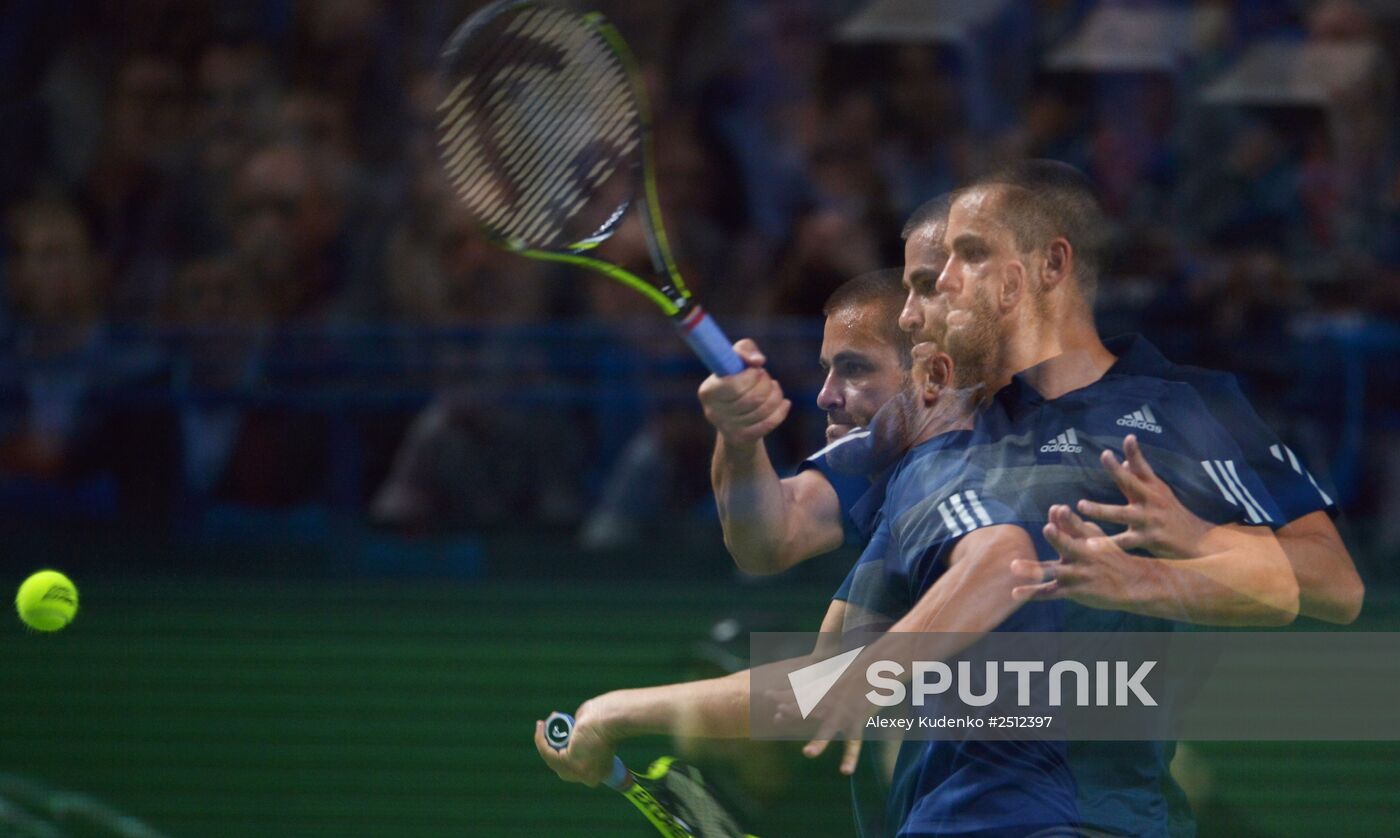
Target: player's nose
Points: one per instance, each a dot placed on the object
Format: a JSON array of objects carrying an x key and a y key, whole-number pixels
[
  {"x": 829, "y": 398},
  {"x": 911, "y": 317},
  {"x": 947, "y": 280}
]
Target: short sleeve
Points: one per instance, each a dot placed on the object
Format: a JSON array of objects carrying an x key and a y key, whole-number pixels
[
  {"x": 1287, "y": 480},
  {"x": 849, "y": 491},
  {"x": 1206, "y": 468}
]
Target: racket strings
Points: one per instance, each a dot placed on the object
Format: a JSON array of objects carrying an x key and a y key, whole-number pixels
[
  {"x": 540, "y": 119},
  {"x": 697, "y": 805}
]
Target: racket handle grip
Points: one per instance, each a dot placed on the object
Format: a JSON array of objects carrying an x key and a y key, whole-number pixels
[
  {"x": 708, "y": 341},
  {"x": 559, "y": 728}
]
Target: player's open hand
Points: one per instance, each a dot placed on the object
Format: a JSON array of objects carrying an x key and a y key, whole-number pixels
[
  {"x": 842, "y": 713},
  {"x": 1156, "y": 521},
  {"x": 747, "y": 406},
  {"x": 1092, "y": 570},
  {"x": 589, "y": 756}
]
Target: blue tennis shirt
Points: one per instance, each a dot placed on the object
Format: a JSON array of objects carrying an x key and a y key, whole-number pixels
[{"x": 1026, "y": 454}]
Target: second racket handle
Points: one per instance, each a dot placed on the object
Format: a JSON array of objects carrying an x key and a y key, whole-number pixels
[
  {"x": 559, "y": 728},
  {"x": 708, "y": 341}
]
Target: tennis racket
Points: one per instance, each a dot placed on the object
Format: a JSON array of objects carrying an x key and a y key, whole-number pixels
[
  {"x": 672, "y": 795},
  {"x": 545, "y": 137}
]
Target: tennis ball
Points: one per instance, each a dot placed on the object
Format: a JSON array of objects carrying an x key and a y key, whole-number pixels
[{"x": 47, "y": 601}]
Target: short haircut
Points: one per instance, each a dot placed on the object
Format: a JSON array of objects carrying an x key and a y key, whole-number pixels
[
  {"x": 929, "y": 212},
  {"x": 1047, "y": 199},
  {"x": 882, "y": 291}
]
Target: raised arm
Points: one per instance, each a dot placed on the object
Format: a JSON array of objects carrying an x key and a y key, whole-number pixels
[{"x": 769, "y": 523}]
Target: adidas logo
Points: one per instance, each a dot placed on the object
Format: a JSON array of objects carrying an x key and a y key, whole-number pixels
[
  {"x": 1142, "y": 419},
  {"x": 1065, "y": 443}
]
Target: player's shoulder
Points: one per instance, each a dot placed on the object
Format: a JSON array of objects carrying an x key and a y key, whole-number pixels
[
  {"x": 1139, "y": 358},
  {"x": 1194, "y": 400},
  {"x": 1153, "y": 391},
  {"x": 1218, "y": 388}
]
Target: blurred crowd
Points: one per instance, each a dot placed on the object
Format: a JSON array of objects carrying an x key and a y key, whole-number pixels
[{"x": 222, "y": 172}]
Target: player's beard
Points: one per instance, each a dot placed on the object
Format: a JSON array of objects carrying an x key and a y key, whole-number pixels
[{"x": 976, "y": 348}]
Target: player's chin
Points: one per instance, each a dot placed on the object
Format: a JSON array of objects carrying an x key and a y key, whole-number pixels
[{"x": 835, "y": 431}]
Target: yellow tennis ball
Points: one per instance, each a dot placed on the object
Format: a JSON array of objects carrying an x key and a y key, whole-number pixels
[{"x": 47, "y": 601}]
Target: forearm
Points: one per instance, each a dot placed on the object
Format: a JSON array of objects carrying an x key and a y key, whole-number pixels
[
  {"x": 1240, "y": 578},
  {"x": 752, "y": 505},
  {"x": 771, "y": 524},
  {"x": 972, "y": 597},
  {"x": 1329, "y": 587},
  {"x": 715, "y": 708}
]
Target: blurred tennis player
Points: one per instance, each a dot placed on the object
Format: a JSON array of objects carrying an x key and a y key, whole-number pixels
[
  {"x": 1018, "y": 286},
  {"x": 719, "y": 707},
  {"x": 1153, "y": 518}
]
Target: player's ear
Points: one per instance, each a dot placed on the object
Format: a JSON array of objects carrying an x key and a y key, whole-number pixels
[
  {"x": 939, "y": 366},
  {"x": 1013, "y": 284},
  {"x": 1059, "y": 261}
]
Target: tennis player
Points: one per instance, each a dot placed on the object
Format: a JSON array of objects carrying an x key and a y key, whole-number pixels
[
  {"x": 1018, "y": 286},
  {"x": 717, "y": 707},
  {"x": 1330, "y": 587}
]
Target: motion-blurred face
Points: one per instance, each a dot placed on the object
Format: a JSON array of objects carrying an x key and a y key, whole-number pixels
[
  {"x": 148, "y": 109},
  {"x": 863, "y": 368},
  {"x": 925, "y": 314},
  {"x": 53, "y": 274},
  {"x": 983, "y": 266},
  {"x": 236, "y": 92},
  {"x": 270, "y": 206},
  {"x": 215, "y": 292}
]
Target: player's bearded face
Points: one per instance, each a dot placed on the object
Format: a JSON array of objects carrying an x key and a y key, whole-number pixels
[
  {"x": 981, "y": 250},
  {"x": 926, "y": 407},
  {"x": 863, "y": 369},
  {"x": 976, "y": 346}
]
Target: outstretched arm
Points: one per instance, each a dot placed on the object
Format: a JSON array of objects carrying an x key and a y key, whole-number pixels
[{"x": 716, "y": 708}]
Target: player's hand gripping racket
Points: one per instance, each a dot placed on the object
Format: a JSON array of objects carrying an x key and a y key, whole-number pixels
[
  {"x": 544, "y": 133},
  {"x": 672, "y": 795}
]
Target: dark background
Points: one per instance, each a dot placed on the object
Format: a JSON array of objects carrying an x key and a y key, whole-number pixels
[{"x": 352, "y": 498}]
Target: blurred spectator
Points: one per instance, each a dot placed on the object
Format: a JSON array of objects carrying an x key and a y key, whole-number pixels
[
  {"x": 55, "y": 280},
  {"x": 828, "y": 248},
  {"x": 440, "y": 270},
  {"x": 248, "y": 175},
  {"x": 238, "y": 95},
  {"x": 131, "y": 184},
  {"x": 476, "y": 456},
  {"x": 263, "y": 455},
  {"x": 285, "y": 225},
  {"x": 218, "y": 311},
  {"x": 57, "y": 434},
  {"x": 351, "y": 49}
]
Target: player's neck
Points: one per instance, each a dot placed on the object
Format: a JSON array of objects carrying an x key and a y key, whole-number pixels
[
  {"x": 1057, "y": 358},
  {"x": 963, "y": 424}
]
